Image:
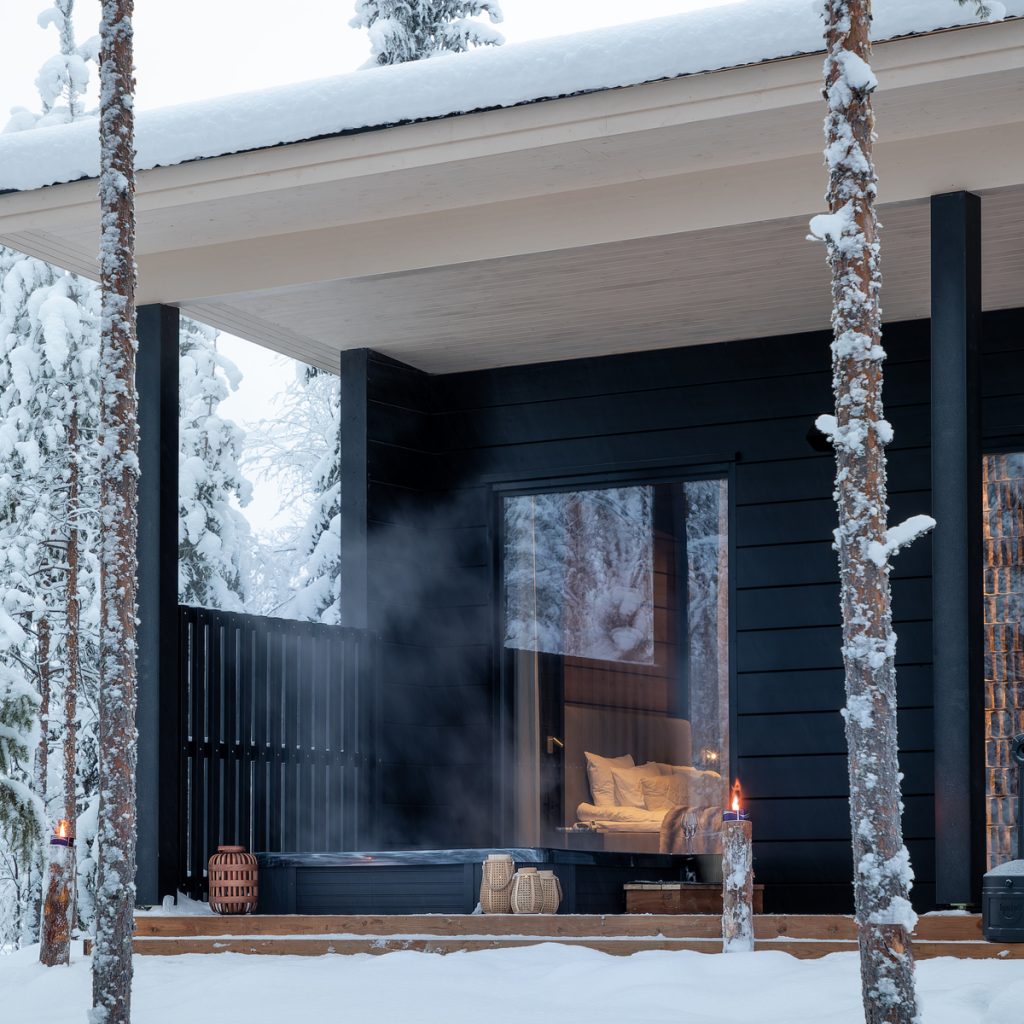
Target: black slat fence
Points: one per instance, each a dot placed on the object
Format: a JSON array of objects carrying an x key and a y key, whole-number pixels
[{"x": 277, "y": 724}]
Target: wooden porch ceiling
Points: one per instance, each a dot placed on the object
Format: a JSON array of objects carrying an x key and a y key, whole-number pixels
[
  {"x": 721, "y": 284},
  {"x": 658, "y": 215}
]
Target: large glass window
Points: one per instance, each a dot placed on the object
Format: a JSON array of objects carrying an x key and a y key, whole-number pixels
[
  {"x": 616, "y": 652},
  {"x": 1004, "y": 645}
]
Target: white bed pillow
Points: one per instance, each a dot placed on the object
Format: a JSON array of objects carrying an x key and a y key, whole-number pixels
[
  {"x": 629, "y": 783},
  {"x": 599, "y": 772}
]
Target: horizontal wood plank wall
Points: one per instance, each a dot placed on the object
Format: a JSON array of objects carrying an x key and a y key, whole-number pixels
[
  {"x": 424, "y": 597},
  {"x": 435, "y": 446},
  {"x": 755, "y": 400}
]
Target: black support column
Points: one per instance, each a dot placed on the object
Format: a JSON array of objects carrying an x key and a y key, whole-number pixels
[
  {"x": 354, "y": 489},
  {"x": 158, "y": 722},
  {"x": 957, "y": 636}
]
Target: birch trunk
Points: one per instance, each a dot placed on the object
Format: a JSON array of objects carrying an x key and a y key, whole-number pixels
[
  {"x": 115, "y": 882},
  {"x": 859, "y": 432}
]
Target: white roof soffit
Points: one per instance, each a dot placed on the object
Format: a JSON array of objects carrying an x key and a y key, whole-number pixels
[{"x": 441, "y": 242}]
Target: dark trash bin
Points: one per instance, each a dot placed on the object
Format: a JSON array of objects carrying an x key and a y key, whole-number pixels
[
  {"x": 1002, "y": 889},
  {"x": 1002, "y": 903}
]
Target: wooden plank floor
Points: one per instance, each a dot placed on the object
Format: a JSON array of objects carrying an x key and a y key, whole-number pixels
[{"x": 803, "y": 936}]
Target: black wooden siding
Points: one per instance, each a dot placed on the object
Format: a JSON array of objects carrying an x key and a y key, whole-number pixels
[{"x": 436, "y": 445}]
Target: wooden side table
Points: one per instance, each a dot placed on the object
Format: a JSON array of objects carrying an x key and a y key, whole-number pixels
[{"x": 680, "y": 898}]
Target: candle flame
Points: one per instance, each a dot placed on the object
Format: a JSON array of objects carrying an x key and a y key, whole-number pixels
[
  {"x": 63, "y": 829},
  {"x": 736, "y": 793}
]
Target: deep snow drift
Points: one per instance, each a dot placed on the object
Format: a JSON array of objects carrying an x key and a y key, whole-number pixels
[
  {"x": 544, "y": 984},
  {"x": 645, "y": 51}
]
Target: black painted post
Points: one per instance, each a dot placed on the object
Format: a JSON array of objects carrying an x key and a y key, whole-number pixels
[
  {"x": 957, "y": 632},
  {"x": 361, "y": 797},
  {"x": 157, "y": 717},
  {"x": 354, "y": 483}
]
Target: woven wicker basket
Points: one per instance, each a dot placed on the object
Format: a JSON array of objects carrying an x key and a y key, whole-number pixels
[
  {"x": 496, "y": 885},
  {"x": 527, "y": 892},
  {"x": 550, "y": 892},
  {"x": 234, "y": 881}
]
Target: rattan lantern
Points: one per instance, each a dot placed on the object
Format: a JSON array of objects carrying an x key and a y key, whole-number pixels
[{"x": 234, "y": 881}]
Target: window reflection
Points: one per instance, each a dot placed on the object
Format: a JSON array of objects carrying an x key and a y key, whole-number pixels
[
  {"x": 616, "y": 640},
  {"x": 1003, "y": 504}
]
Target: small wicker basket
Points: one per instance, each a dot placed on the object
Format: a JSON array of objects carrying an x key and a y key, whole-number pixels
[
  {"x": 234, "y": 881},
  {"x": 496, "y": 884},
  {"x": 550, "y": 892},
  {"x": 527, "y": 892}
]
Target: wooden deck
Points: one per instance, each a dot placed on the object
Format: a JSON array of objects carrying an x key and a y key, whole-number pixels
[{"x": 801, "y": 936}]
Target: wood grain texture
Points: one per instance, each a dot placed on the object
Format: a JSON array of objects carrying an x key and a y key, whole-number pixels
[{"x": 802, "y": 936}]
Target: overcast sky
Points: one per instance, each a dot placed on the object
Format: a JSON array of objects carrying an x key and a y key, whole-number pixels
[{"x": 193, "y": 49}]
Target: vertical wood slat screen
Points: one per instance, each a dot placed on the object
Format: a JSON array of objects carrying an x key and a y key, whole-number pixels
[{"x": 277, "y": 723}]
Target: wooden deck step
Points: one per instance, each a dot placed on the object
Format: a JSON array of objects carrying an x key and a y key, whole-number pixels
[
  {"x": 802, "y": 936},
  {"x": 823, "y": 927}
]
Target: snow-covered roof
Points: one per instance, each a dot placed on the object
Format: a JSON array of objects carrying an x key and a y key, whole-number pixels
[{"x": 715, "y": 39}]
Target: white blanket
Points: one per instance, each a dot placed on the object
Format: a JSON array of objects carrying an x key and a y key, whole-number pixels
[{"x": 617, "y": 818}]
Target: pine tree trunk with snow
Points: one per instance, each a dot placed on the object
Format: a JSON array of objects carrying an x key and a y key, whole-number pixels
[
  {"x": 859, "y": 433},
  {"x": 112, "y": 956}
]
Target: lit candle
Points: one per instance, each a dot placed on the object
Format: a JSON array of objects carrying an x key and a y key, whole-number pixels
[
  {"x": 736, "y": 813},
  {"x": 62, "y": 834}
]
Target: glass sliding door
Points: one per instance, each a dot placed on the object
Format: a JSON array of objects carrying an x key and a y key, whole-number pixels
[{"x": 616, "y": 655}]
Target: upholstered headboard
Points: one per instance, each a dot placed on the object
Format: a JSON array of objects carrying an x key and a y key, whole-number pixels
[{"x": 611, "y": 732}]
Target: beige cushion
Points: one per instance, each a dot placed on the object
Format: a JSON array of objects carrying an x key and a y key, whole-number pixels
[
  {"x": 685, "y": 787},
  {"x": 628, "y": 783},
  {"x": 599, "y": 772}
]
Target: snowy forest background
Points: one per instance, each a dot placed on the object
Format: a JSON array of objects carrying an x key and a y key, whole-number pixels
[{"x": 281, "y": 560}]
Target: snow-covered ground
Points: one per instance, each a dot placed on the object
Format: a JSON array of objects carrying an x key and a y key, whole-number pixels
[{"x": 544, "y": 984}]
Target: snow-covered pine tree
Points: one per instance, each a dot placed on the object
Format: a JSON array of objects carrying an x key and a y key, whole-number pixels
[
  {"x": 317, "y": 587},
  {"x": 300, "y": 452},
  {"x": 404, "y": 30},
  {"x": 22, "y": 815},
  {"x": 119, "y": 446},
  {"x": 63, "y": 79},
  {"x": 48, "y": 348},
  {"x": 865, "y": 543},
  {"x": 213, "y": 537},
  {"x": 983, "y": 9}
]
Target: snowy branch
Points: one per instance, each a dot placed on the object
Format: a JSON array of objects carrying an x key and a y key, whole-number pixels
[
  {"x": 899, "y": 537},
  {"x": 985, "y": 10}
]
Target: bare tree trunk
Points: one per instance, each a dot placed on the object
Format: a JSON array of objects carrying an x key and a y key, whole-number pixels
[
  {"x": 115, "y": 883},
  {"x": 43, "y": 671},
  {"x": 59, "y": 903},
  {"x": 72, "y": 644},
  {"x": 859, "y": 432}
]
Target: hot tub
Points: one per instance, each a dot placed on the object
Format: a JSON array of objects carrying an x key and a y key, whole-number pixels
[{"x": 448, "y": 881}]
